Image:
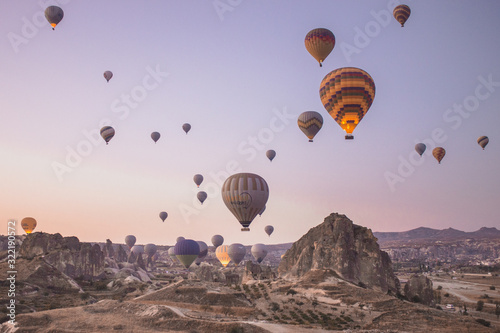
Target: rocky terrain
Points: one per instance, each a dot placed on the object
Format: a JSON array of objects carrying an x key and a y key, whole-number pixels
[{"x": 334, "y": 278}]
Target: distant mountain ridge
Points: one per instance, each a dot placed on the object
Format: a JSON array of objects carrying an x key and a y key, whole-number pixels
[{"x": 436, "y": 234}]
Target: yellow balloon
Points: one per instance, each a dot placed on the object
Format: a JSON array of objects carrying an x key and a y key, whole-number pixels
[
  {"x": 221, "y": 254},
  {"x": 28, "y": 224}
]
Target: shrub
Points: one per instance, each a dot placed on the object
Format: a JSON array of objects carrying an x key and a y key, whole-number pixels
[
  {"x": 446, "y": 295},
  {"x": 483, "y": 322},
  {"x": 492, "y": 287},
  {"x": 439, "y": 287},
  {"x": 479, "y": 305}
]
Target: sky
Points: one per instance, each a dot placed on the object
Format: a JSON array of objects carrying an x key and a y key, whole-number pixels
[{"x": 239, "y": 73}]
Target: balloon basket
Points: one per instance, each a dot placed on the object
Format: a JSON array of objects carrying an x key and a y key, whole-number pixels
[
  {"x": 245, "y": 229},
  {"x": 349, "y": 137}
]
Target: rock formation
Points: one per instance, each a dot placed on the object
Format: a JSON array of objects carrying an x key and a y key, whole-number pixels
[
  {"x": 419, "y": 289},
  {"x": 350, "y": 250},
  {"x": 67, "y": 254},
  {"x": 257, "y": 272}
]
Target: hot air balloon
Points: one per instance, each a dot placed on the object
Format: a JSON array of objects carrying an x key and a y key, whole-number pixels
[
  {"x": 401, "y": 14},
  {"x": 262, "y": 211},
  {"x": 483, "y": 141},
  {"x": 171, "y": 254},
  {"x": 130, "y": 241},
  {"x": 420, "y": 148},
  {"x": 28, "y": 224},
  {"x": 217, "y": 240},
  {"x": 198, "y": 179},
  {"x": 245, "y": 194},
  {"x": 203, "y": 252},
  {"x": 54, "y": 15},
  {"x": 236, "y": 252},
  {"x": 347, "y": 93},
  {"x": 163, "y": 216},
  {"x": 319, "y": 43},
  {"x": 107, "y": 133},
  {"x": 180, "y": 238},
  {"x": 150, "y": 249},
  {"x": 137, "y": 249},
  {"x": 438, "y": 153},
  {"x": 186, "y": 127},
  {"x": 187, "y": 251},
  {"x": 269, "y": 229},
  {"x": 108, "y": 75},
  {"x": 202, "y": 196},
  {"x": 310, "y": 122},
  {"x": 270, "y": 154},
  {"x": 221, "y": 254},
  {"x": 259, "y": 252},
  {"x": 155, "y": 136}
]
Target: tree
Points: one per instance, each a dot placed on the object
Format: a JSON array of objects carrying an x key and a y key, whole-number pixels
[
  {"x": 497, "y": 309},
  {"x": 291, "y": 292},
  {"x": 479, "y": 305}
]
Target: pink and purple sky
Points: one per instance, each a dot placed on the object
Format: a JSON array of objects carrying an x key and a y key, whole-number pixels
[{"x": 239, "y": 73}]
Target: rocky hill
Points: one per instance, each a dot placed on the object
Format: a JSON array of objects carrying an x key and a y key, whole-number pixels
[
  {"x": 424, "y": 233},
  {"x": 349, "y": 250}
]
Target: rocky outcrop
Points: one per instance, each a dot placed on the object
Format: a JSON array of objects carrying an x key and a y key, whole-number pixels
[
  {"x": 419, "y": 289},
  {"x": 350, "y": 250},
  {"x": 257, "y": 272},
  {"x": 67, "y": 254}
]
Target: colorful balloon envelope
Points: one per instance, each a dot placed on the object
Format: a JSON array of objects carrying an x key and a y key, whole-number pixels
[
  {"x": 259, "y": 252},
  {"x": 187, "y": 251},
  {"x": 163, "y": 216},
  {"x": 269, "y": 229},
  {"x": 483, "y": 141},
  {"x": 347, "y": 94},
  {"x": 438, "y": 153},
  {"x": 271, "y": 154},
  {"x": 245, "y": 194},
  {"x": 186, "y": 127},
  {"x": 420, "y": 148},
  {"x": 221, "y": 254},
  {"x": 54, "y": 15},
  {"x": 310, "y": 122},
  {"x": 319, "y": 43},
  {"x": 198, "y": 179},
  {"x": 107, "y": 133},
  {"x": 155, "y": 136},
  {"x": 236, "y": 252},
  {"x": 217, "y": 240},
  {"x": 130, "y": 241},
  {"x": 28, "y": 224},
  {"x": 108, "y": 75},
  {"x": 401, "y": 14}
]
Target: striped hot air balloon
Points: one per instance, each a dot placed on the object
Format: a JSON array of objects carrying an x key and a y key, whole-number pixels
[
  {"x": 438, "y": 153},
  {"x": 347, "y": 93},
  {"x": 107, "y": 133},
  {"x": 319, "y": 43},
  {"x": 28, "y": 224},
  {"x": 310, "y": 122},
  {"x": 221, "y": 254},
  {"x": 203, "y": 252},
  {"x": 187, "y": 251},
  {"x": 54, "y": 15},
  {"x": 401, "y": 14},
  {"x": 483, "y": 141},
  {"x": 245, "y": 194}
]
